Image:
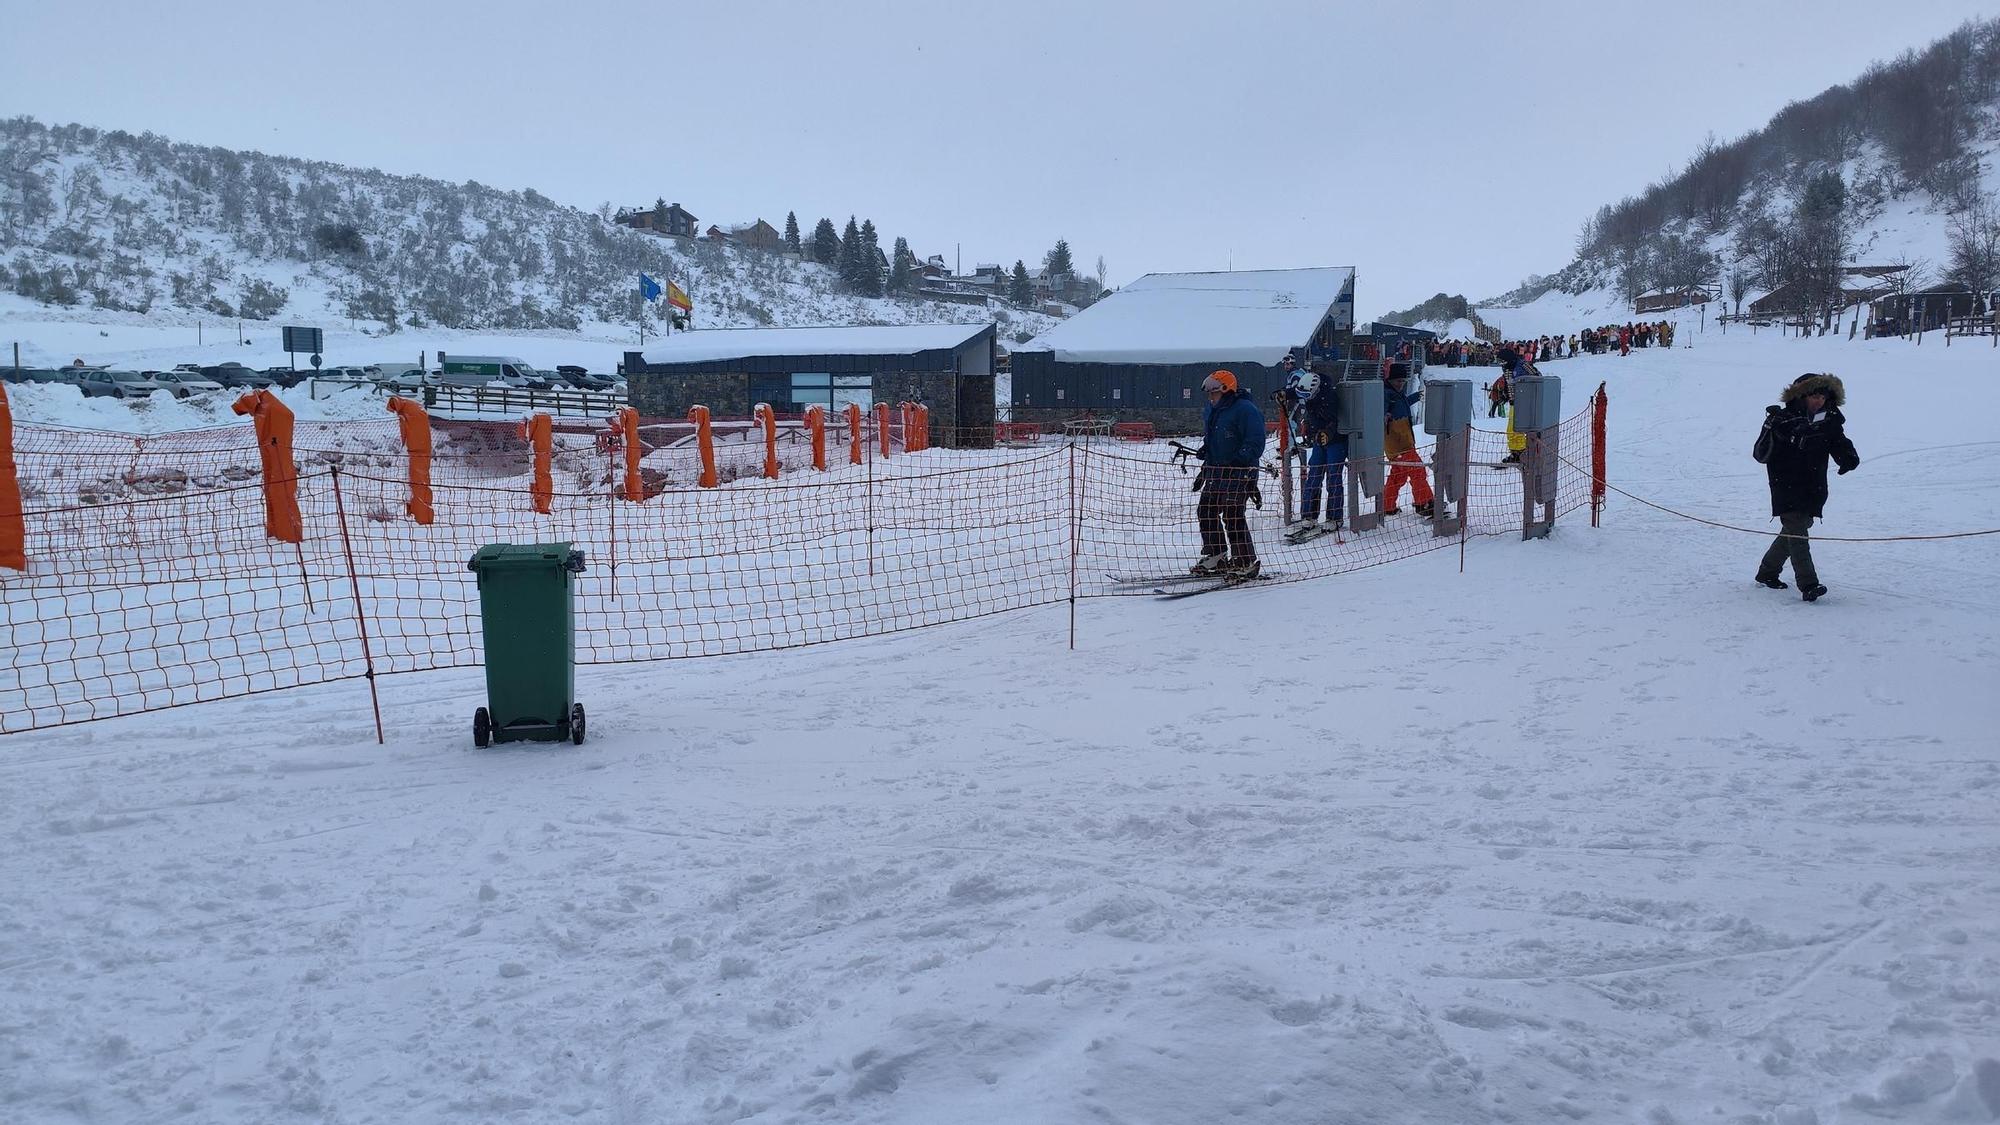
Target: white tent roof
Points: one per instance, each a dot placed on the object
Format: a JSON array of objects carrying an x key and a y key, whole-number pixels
[
  {"x": 707, "y": 345},
  {"x": 1254, "y": 316}
]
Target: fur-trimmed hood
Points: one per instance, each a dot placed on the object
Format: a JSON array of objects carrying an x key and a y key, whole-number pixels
[{"x": 1829, "y": 385}]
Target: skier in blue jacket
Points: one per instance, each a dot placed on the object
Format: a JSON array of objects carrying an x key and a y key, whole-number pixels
[{"x": 1232, "y": 446}]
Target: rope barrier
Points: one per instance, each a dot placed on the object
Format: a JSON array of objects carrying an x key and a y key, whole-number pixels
[{"x": 1755, "y": 531}]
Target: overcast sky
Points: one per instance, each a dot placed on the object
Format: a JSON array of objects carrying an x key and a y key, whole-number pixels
[{"x": 1433, "y": 145}]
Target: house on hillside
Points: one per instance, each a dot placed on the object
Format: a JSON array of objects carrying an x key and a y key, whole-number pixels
[
  {"x": 675, "y": 220},
  {"x": 1788, "y": 301},
  {"x": 1923, "y": 310},
  {"x": 758, "y": 235},
  {"x": 1141, "y": 353},
  {"x": 947, "y": 367},
  {"x": 1678, "y": 297}
]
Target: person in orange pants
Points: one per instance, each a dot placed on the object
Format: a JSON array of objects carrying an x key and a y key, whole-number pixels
[{"x": 1399, "y": 444}]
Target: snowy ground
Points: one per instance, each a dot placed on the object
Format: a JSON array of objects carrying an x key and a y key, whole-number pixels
[{"x": 1596, "y": 830}]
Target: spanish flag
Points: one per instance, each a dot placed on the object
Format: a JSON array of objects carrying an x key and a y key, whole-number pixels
[{"x": 678, "y": 298}]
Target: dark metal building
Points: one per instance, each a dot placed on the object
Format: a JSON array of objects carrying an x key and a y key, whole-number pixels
[
  {"x": 947, "y": 367},
  {"x": 1141, "y": 353}
]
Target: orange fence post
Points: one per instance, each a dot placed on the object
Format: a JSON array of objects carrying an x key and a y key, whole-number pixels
[
  {"x": 854, "y": 429},
  {"x": 415, "y": 427},
  {"x": 273, "y": 421},
  {"x": 1599, "y": 406},
  {"x": 764, "y": 416},
  {"x": 816, "y": 426},
  {"x": 704, "y": 440},
  {"x": 627, "y": 424},
  {"x": 882, "y": 427},
  {"x": 13, "y": 525},
  {"x": 539, "y": 430},
  {"x": 924, "y": 425}
]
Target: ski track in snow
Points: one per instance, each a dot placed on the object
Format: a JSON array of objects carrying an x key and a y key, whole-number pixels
[{"x": 1596, "y": 831}]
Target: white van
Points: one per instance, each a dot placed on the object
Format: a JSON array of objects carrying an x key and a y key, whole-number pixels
[{"x": 481, "y": 370}]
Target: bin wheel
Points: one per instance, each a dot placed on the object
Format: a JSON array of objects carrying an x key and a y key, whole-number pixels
[
  {"x": 482, "y": 728},
  {"x": 576, "y": 724}
]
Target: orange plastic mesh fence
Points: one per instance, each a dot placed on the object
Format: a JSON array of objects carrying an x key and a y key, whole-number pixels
[{"x": 151, "y": 582}]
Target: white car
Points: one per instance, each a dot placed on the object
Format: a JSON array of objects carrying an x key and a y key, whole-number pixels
[
  {"x": 351, "y": 374},
  {"x": 184, "y": 383},
  {"x": 406, "y": 379}
]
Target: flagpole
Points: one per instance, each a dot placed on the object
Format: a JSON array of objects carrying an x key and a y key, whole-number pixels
[{"x": 640, "y": 305}]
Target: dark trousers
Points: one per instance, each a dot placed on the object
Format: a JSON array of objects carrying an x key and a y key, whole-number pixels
[
  {"x": 1794, "y": 543},
  {"x": 1224, "y": 528}
]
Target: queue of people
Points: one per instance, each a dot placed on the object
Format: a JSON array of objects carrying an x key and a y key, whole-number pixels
[{"x": 1621, "y": 338}]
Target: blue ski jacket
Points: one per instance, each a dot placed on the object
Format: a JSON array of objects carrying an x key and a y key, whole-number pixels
[{"x": 1232, "y": 431}]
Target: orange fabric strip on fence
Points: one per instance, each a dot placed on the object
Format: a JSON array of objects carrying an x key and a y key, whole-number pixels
[
  {"x": 816, "y": 426},
  {"x": 628, "y": 431},
  {"x": 13, "y": 528},
  {"x": 414, "y": 426},
  {"x": 704, "y": 439},
  {"x": 1598, "y": 409},
  {"x": 539, "y": 430},
  {"x": 854, "y": 428},
  {"x": 273, "y": 420},
  {"x": 767, "y": 418},
  {"x": 882, "y": 426}
]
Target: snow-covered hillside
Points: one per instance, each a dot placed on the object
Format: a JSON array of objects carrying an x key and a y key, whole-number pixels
[
  {"x": 1914, "y": 144},
  {"x": 1595, "y": 830},
  {"x": 106, "y": 221}
]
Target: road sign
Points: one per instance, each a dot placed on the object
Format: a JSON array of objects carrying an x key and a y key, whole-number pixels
[{"x": 304, "y": 340}]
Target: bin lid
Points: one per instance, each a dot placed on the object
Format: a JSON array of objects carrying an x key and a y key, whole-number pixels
[{"x": 505, "y": 556}]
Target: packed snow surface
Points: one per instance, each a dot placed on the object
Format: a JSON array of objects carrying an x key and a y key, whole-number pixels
[{"x": 1595, "y": 830}]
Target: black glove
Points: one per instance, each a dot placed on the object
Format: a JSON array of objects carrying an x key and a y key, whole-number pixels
[
  {"x": 1774, "y": 410},
  {"x": 1846, "y": 469},
  {"x": 1198, "y": 478}
]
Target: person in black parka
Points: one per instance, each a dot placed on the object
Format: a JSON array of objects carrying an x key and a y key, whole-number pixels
[{"x": 1797, "y": 440}]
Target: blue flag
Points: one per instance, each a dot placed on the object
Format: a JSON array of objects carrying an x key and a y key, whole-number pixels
[{"x": 648, "y": 288}]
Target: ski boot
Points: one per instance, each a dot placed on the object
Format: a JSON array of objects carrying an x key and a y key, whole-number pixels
[{"x": 1209, "y": 566}]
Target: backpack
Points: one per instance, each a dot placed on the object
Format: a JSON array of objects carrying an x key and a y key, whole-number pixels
[{"x": 1760, "y": 452}]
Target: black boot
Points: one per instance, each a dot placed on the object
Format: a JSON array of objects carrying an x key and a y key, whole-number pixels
[
  {"x": 1773, "y": 581},
  {"x": 1813, "y": 593}
]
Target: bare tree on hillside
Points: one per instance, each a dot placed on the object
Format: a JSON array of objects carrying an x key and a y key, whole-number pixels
[
  {"x": 1739, "y": 288},
  {"x": 1975, "y": 248}
]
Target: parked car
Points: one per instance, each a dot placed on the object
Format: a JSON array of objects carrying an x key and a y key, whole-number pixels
[
  {"x": 181, "y": 384},
  {"x": 234, "y": 374},
  {"x": 352, "y": 374},
  {"x": 402, "y": 377},
  {"x": 117, "y": 384},
  {"x": 33, "y": 375},
  {"x": 286, "y": 376},
  {"x": 584, "y": 380}
]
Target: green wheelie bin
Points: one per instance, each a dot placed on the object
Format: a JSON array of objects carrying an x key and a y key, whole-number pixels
[{"x": 527, "y": 610}]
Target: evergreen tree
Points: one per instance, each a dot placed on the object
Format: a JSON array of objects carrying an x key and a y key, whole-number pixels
[
  {"x": 1020, "y": 290},
  {"x": 826, "y": 243},
  {"x": 850, "y": 254},
  {"x": 899, "y": 268},
  {"x": 1056, "y": 263},
  {"x": 792, "y": 231},
  {"x": 660, "y": 213},
  {"x": 868, "y": 267}
]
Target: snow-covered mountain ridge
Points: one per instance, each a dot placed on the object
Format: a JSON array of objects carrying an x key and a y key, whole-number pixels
[
  {"x": 109, "y": 221},
  {"x": 1914, "y": 142}
]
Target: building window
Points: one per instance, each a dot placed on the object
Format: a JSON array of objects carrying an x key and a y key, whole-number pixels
[
  {"x": 1117, "y": 393},
  {"x": 1059, "y": 394},
  {"x": 1187, "y": 392}
]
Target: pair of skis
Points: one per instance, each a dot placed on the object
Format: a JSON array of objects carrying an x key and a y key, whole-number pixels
[{"x": 1173, "y": 587}]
